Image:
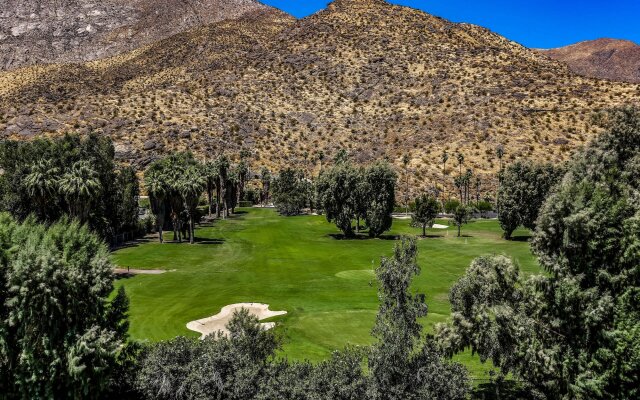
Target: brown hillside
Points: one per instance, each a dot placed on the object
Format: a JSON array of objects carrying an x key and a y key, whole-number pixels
[
  {"x": 50, "y": 31},
  {"x": 376, "y": 79},
  {"x": 618, "y": 60}
]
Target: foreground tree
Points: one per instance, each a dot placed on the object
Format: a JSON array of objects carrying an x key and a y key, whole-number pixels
[
  {"x": 427, "y": 208},
  {"x": 61, "y": 338},
  {"x": 573, "y": 332},
  {"x": 402, "y": 364},
  {"x": 524, "y": 187}
]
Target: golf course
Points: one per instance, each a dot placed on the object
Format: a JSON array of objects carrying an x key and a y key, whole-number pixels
[{"x": 300, "y": 265}]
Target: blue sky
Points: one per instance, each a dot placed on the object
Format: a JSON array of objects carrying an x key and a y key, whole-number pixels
[{"x": 534, "y": 23}]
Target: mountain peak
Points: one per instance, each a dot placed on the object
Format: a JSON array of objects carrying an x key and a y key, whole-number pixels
[{"x": 606, "y": 58}]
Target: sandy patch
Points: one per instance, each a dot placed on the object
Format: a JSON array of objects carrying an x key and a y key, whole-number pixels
[
  {"x": 218, "y": 322},
  {"x": 124, "y": 271},
  {"x": 438, "y": 226},
  {"x": 401, "y": 216}
]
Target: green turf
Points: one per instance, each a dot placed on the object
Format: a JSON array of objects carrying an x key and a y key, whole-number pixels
[{"x": 297, "y": 264}]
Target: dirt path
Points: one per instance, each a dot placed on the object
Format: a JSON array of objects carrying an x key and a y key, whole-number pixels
[{"x": 125, "y": 271}]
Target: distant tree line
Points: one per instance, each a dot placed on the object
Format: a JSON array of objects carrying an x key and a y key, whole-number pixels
[
  {"x": 72, "y": 176},
  {"x": 176, "y": 183}
]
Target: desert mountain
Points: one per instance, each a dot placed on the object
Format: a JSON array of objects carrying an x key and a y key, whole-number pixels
[
  {"x": 376, "y": 79},
  {"x": 618, "y": 60},
  {"x": 53, "y": 31}
]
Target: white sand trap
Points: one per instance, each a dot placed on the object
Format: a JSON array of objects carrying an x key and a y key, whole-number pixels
[
  {"x": 438, "y": 226},
  {"x": 218, "y": 322}
]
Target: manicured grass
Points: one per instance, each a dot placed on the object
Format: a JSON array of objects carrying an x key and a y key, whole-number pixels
[{"x": 297, "y": 264}]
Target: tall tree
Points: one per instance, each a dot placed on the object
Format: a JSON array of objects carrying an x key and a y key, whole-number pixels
[
  {"x": 444, "y": 158},
  {"x": 405, "y": 163},
  {"x": 335, "y": 188},
  {"x": 461, "y": 216},
  {"x": 157, "y": 190},
  {"x": 288, "y": 193},
  {"x": 210, "y": 172},
  {"x": 400, "y": 368},
  {"x": 191, "y": 187},
  {"x": 572, "y": 332},
  {"x": 80, "y": 187},
  {"x": 223, "y": 180},
  {"x": 265, "y": 178},
  {"x": 524, "y": 188},
  {"x": 427, "y": 208},
  {"x": 64, "y": 336},
  {"x": 379, "y": 181},
  {"x": 42, "y": 184}
]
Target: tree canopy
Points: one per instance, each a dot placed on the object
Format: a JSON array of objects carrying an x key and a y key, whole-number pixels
[{"x": 573, "y": 332}]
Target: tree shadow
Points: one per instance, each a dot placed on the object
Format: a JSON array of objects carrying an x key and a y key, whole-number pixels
[
  {"x": 342, "y": 236},
  {"x": 522, "y": 238},
  {"x": 132, "y": 243},
  {"x": 431, "y": 236},
  {"x": 500, "y": 390},
  {"x": 118, "y": 277},
  {"x": 208, "y": 241}
]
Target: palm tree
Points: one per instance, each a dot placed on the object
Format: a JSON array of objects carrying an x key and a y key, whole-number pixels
[
  {"x": 80, "y": 186},
  {"x": 223, "y": 172},
  {"x": 444, "y": 158},
  {"x": 321, "y": 158},
  {"x": 460, "y": 158},
  {"x": 42, "y": 183},
  {"x": 210, "y": 172},
  {"x": 405, "y": 163},
  {"x": 243, "y": 171},
  {"x": 265, "y": 177},
  {"x": 191, "y": 185},
  {"x": 500, "y": 154},
  {"x": 157, "y": 190}
]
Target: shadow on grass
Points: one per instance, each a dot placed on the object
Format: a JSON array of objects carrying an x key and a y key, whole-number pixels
[
  {"x": 429, "y": 236},
  {"x": 133, "y": 243},
  {"x": 342, "y": 236},
  {"x": 501, "y": 391},
  {"x": 523, "y": 238},
  {"x": 208, "y": 241}
]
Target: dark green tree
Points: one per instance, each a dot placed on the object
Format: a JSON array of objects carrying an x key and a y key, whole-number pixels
[
  {"x": 337, "y": 195},
  {"x": 379, "y": 183},
  {"x": 523, "y": 189},
  {"x": 64, "y": 337},
  {"x": 288, "y": 192},
  {"x": 403, "y": 365},
  {"x": 573, "y": 332},
  {"x": 461, "y": 216},
  {"x": 427, "y": 208}
]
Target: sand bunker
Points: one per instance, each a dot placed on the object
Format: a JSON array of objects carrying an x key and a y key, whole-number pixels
[
  {"x": 438, "y": 226},
  {"x": 218, "y": 322}
]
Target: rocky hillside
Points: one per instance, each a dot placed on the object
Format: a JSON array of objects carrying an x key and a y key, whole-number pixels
[
  {"x": 376, "y": 79},
  {"x": 53, "y": 31},
  {"x": 618, "y": 60}
]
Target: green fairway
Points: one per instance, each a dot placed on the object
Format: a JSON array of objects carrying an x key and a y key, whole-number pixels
[{"x": 300, "y": 265}]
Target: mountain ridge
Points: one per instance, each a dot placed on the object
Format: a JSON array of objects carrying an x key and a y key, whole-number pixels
[
  {"x": 605, "y": 58},
  {"x": 380, "y": 81},
  {"x": 46, "y": 31}
]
